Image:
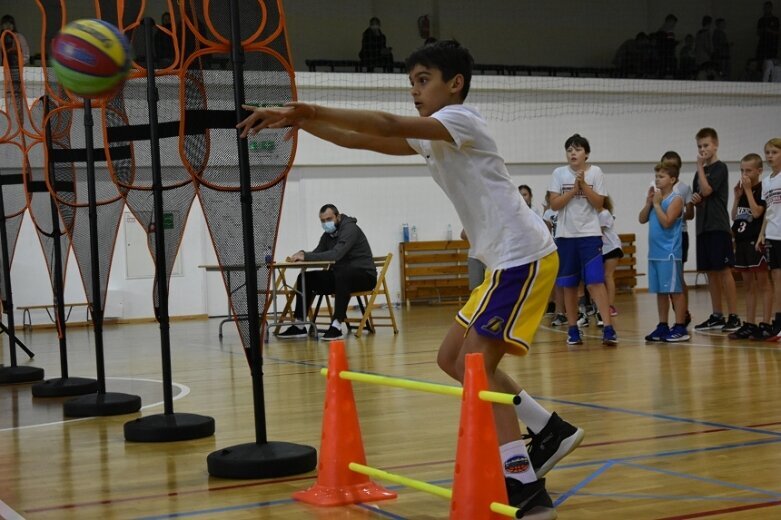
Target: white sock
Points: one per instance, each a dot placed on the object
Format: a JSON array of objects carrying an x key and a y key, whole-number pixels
[
  {"x": 516, "y": 463},
  {"x": 529, "y": 411},
  {"x": 337, "y": 324}
]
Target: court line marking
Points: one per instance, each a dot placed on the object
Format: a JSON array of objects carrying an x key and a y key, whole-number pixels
[
  {"x": 692, "y": 476},
  {"x": 719, "y": 512},
  {"x": 8, "y": 513},
  {"x": 583, "y": 483},
  {"x": 642, "y": 496},
  {"x": 184, "y": 390}
]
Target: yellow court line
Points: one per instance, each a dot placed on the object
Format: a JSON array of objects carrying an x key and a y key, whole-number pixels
[{"x": 433, "y": 388}]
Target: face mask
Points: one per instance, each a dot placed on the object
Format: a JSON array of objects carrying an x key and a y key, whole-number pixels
[{"x": 329, "y": 226}]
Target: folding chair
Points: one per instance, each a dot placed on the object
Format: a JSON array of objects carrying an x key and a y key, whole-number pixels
[{"x": 367, "y": 302}]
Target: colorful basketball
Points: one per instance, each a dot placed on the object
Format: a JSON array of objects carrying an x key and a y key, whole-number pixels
[{"x": 90, "y": 57}]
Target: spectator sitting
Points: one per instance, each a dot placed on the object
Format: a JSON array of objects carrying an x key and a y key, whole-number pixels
[
  {"x": 374, "y": 49},
  {"x": 343, "y": 243},
  {"x": 636, "y": 57}
]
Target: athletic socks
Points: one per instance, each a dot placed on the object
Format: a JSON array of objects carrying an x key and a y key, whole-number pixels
[
  {"x": 516, "y": 462},
  {"x": 534, "y": 416}
]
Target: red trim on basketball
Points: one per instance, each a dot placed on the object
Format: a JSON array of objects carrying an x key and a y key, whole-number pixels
[{"x": 81, "y": 56}]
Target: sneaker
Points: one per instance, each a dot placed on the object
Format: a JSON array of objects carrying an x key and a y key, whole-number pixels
[
  {"x": 600, "y": 323},
  {"x": 762, "y": 332},
  {"x": 676, "y": 334},
  {"x": 333, "y": 333},
  {"x": 744, "y": 332},
  {"x": 573, "y": 336},
  {"x": 591, "y": 309},
  {"x": 613, "y": 311},
  {"x": 732, "y": 325},
  {"x": 557, "y": 320},
  {"x": 551, "y": 310},
  {"x": 688, "y": 318},
  {"x": 775, "y": 330},
  {"x": 659, "y": 333},
  {"x": 582, "y": 320},
  {"x": 609, "y": 336},
  {"x": 713, "y": 322},
  {"x": 531, "y": 499},
  {"x": 554, "y": 442},
  {"x": 293, "y": 332}
]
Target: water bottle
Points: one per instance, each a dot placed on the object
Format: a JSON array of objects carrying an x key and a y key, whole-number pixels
[
  {"x": 269, "y": 256},
  {"x": 405, "y": 232},
  {"x": 449, "y": 232},
  {"x": 414, "y": 234}
]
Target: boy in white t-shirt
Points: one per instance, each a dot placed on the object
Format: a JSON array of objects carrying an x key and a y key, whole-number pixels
[
  {"x": 503, "y": 314},
  {"x": 577, "y": 192}
]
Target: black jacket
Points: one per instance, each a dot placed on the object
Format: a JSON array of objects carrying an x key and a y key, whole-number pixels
[{"x": 347, "y": 246}]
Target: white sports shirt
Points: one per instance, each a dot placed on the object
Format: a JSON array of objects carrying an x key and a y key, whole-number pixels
[
  {"x": 578, "y": 218},
  {"x": 502, "y": 229}
]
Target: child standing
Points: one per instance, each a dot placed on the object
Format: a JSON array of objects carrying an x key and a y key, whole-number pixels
[
  {"x": 502, "y": 315},
  {"x": 688, "y": 214},
  {"x": 577, "y": 192},
  {"x": 663, "y": 211},
  {"x": 748, "y": 215},
  {"x": 714, "y": 233},
  {"x": 550, "y": 218},
  {"x": 770, "y": 236},
  {"x": 611, "y": 254}
]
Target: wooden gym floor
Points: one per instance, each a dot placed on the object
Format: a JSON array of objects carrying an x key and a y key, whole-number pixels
[{"x": 677, "y": 431}]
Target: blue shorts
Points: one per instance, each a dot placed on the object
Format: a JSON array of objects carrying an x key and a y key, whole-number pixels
[
  {"x": 580, "y": 258},
  {"x": 510, "y": 303},
  {"x": 665, "y": 276}
]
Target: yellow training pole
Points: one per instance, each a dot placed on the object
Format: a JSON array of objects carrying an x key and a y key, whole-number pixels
[
  {"x": 502, "y": 509},
  {"x": 408, "y": 384}
]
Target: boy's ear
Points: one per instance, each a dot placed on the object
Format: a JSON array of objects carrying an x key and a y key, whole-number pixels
[{"x": 456, "y": 83}]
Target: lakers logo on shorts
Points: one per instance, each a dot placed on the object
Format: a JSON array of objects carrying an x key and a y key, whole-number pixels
[
  {"x": 494, "y": 326},
  {"x": 516, "y": 464}
]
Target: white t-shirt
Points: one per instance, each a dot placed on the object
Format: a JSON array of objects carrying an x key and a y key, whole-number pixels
[
  {"x": 610, "y": 239},
  {"x": 685, "y": 191},
  {"x": 552, "y": 217},
  {"x": 578, "y": 218},
  {"x": 502, "y": 229},
  {"x": 771, "y": 194}
]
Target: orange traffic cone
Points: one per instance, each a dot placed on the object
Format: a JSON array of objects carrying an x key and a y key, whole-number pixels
[
  {"x": 478, "y": 479},
  {"x": 340, "y": 444}
]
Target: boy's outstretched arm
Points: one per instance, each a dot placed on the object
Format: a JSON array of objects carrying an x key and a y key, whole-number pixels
[
  {"x": 370, "y": 122},
  {"x": 355, "y": 140}
]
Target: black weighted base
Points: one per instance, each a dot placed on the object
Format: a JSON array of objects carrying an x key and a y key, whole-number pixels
[
  {"x": 65, "y": 386},
  {"x": 20, "y": 374},
  {"x": 253, "y": 460},
  {"x": 109, "y": 403},
  {"x": 169, "y": 428}
]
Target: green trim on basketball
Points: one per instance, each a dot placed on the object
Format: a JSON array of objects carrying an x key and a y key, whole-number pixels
[{"x": 85, "y": 84}]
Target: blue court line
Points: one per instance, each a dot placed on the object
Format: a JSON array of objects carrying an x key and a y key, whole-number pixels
[
  {"x": 691, "y": 476},
  {"x": 583, "y": 483},
  {"x": 660, "y": 416}
]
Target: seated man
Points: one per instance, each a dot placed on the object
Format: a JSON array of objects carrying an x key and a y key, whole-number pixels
[{"x": 344, "y": 244}]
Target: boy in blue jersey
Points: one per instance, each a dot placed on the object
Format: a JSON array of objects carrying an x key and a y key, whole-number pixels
[{"x": 663, "y": 212}]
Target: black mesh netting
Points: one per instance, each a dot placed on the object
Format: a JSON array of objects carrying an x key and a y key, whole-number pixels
[
  {"x": 127, "y": 125},
  {"x": 67, "y": 177},
  {"x": 212, "y": 156}
]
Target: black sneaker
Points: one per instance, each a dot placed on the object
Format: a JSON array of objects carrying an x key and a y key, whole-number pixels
[
  {"x": 559, "y": 319},
  {"x": 531, "y": 499},
  {"x": 582, "y": 320},
  {"x": 762, "y": 332},
  {"x": 744, "y": 332},
  {"x": 293, "y": 332},
  {"x": 600, "y": 321},
  {"x": 713, "y": 322},
  {"x": 732, "y": 325},
  {"x": 333, "y": 333},
  {"x": 553, "y": 443}
]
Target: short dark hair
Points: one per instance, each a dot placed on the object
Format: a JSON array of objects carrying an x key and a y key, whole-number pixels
[
  {"x": 706, "y": 20},
  {"x": 449, "y": 57},
  {"x": 578, "y": 141},
  {"x": 673, "y": 156},
  {"x": 707, "y": 132},
  {"x": 8, "y": 18},
  {"x": 752, "y": 157},
  {"x": 671, "y": 18},
  {"x": 672, "y": 169},
  {"x": 331, "y": 207},
  {"x": 374, "y": 19}
]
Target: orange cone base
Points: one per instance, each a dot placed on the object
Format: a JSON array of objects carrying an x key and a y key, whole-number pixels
[{"x": 318, "y": 495}]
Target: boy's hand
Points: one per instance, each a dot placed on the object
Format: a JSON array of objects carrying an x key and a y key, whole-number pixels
[
  {"x": 275, "y": 117},
  {"x": 580, "y": 179},
  {"x": 759, "y": 245},
  {"x": 738, "y": 189},
  {"x": 657, "y": 197},
  {"x": 745, "y": 182},
  {"x": 696, "y": 198},
  {"x": 700, "y": 160},
  {"x": 649, "y": 198}
]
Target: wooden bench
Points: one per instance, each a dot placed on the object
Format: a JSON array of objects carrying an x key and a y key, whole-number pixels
[
  {"x": 27, "y": 321},
  {"x": 434, "y": 271},
  {"x": 626, "y": 272}
]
